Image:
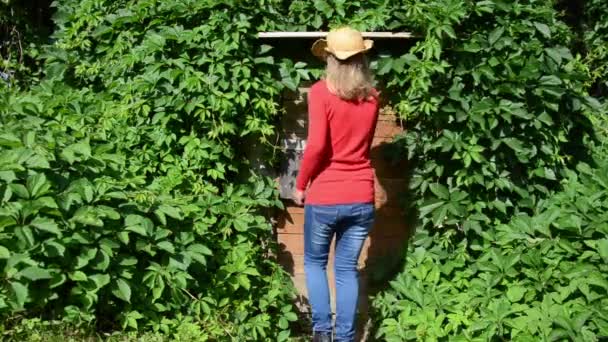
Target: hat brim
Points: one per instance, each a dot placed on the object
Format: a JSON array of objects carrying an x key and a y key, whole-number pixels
[{"x": 321, "y": 50}]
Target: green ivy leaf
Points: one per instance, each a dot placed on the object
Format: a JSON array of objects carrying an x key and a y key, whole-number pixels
[
  {"x": 9, "y": 140},
  {"x": 166, "y": 246},
  {"x": 170, "y": 211},
  {"x": 495, "y": 35},
  {"x": 201, "y": 249},
  {"x": 514, "y": 144},
  {"x": 20, "y": 190},
  {"x": 290, "y": 83},
  {"x": 515, "y": 293},
  {"x": 46, "y": 224},
  {"x": 100, "y": 280},
  {"x": 283, "y": 323},
  {"x": 35, "y": 273},
  {"x": 602, "y": 248},
  {"x": 122, "y": 290},
  {"x": 20, "y": 292},
  {"x": 137, "y": 229},
  {"x": 57, "y": 280},
  {"x": 440, "y": 191},
  {"x": 37, "y": 185},
  {"x": 385, "y": 66},
  {"x": 429, "y": 207},
  {"x": 264, "y": 60},
  {"x": 4, "y": 253},
  {"x": 78, "y": 276},
  {"x": 284, "y": 336},
  {"x": 291, "y": 316},
  {"x": 544, "y": 29},
  {"x": 76, "y": 152},
  {"x": 8, "y": 176}
]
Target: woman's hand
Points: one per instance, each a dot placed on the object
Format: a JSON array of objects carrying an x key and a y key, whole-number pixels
[{"x": 298, "y": 197}]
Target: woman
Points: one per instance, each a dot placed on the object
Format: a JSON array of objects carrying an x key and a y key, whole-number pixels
[{"x": 336, "y": 179}]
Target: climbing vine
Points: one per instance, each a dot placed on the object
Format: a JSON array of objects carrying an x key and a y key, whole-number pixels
[
  {"x": 494, "y": 103},
  {"x": 596, "y": 44},
  {"x": 128, "y": 198},
  {"x": 23, "y": 29}
]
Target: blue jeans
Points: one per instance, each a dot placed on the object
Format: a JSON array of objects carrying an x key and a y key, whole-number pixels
[{"x": 350, "y": 224}]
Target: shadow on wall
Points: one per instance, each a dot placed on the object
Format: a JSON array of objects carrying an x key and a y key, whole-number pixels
[
  {"x": 387, "y": 242},
  {"x": 287, "y": 261},
  {"x": 389, "y": 237}
]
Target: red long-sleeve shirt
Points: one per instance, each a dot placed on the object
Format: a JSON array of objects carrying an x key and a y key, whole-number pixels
[{"x": 336, "y": 160}]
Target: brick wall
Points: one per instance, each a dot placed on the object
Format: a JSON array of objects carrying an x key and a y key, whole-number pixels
[{"x": 383, "y": 247}]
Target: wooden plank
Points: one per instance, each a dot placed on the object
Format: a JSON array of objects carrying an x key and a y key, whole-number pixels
[
  {"x": 384, "y": 35},
  {"x": 290, "y": 223}
]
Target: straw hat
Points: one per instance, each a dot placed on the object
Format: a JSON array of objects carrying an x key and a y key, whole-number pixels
[{"x": 342, "y": 43}]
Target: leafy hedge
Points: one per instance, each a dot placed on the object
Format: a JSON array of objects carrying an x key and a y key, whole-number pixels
[
  {"x": 495, "y": 109},
  {"x": 126, "y": 195},
  {"x": 128, "y": 188},
  {"x": 595, "y": 22},
  {"x": 24, "y": 26},
  {"x": 540, "y": 277}
]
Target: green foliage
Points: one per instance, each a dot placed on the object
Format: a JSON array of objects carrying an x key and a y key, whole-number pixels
[
  {"x": 96, "y": 221},
  {"x": 126, "y": 186},
  {"x": 492, "y": 113},
  {"x": 539, "y": 277},
  {"x": 596, "y": 43},
  {"x": 37, "y": 330},
  {"x": 493, "y": 100},
  {"x": 494, "y": 103},
  {"x": 324, "y": 14},
  {"x": 126, "y": 197},
  {"x": 22, "y": 31}
]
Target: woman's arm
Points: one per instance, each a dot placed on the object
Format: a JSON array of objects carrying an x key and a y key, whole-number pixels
[{"x": 317, "y": 138}]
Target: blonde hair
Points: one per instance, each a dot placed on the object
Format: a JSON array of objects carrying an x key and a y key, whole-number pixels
[{"x": 349, "y": 79}]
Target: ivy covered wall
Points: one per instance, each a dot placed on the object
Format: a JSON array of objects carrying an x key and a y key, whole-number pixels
[{"x": 126, "y": 196}]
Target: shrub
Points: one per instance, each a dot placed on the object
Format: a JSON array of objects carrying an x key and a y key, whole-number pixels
[
  {"x": 127, "y": 187},
  {"x": 494, "y": 105},
  {"x": 539, "y": 277},
  {"x": 126, "y": 195},
  {"x": 24, "y": 26},
  {"x": 596, "y": 43}
]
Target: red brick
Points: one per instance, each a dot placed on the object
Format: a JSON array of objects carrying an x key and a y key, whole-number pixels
[
  {"x": 387, "y": 117},
  {"x": 294, "y": 108},
  {"x": 378, "y": 149},
  {"x": 387, "y": 129},
  {"x": 390, "y": 189},
  {"x": 299, "y": 281},
  {"x": 386, "y": 110},
  {"x": 381, "y": 203}
]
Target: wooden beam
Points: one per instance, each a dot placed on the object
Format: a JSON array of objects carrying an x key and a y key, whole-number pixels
[{"x": 280, "y": 34}]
